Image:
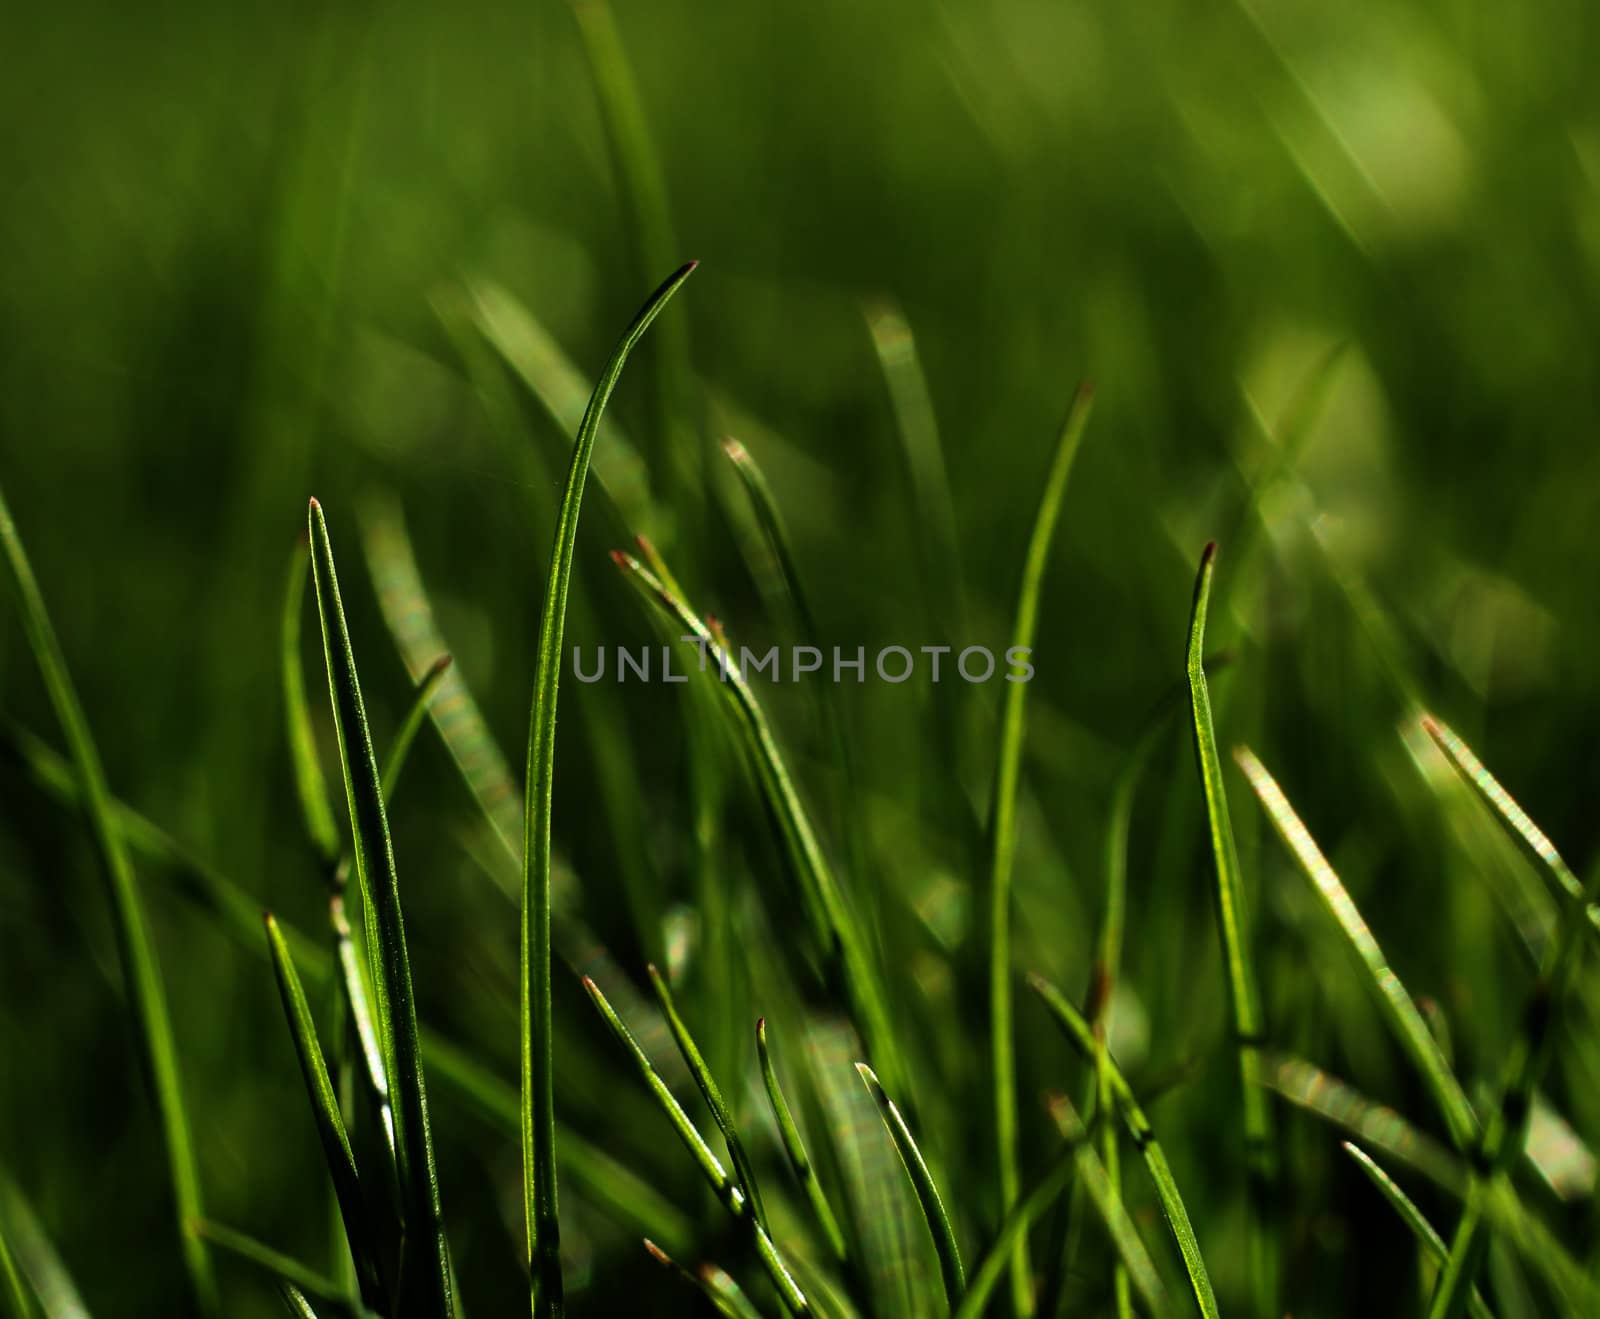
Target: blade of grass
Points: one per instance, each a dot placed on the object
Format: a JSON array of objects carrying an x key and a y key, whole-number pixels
[
  {"x": 330, "y": 1122},
  {"x": 295, "y": 1300},
  {"x": 14, "y": 1301},
  {"x": 1232, "y": 922},
  {"x": 140, "y": 967},
  {"x": 730, "y": 1303},
  {"x": 1427, "y": 1237},
  {"x": 394, "y": 762},
  {"x": 426, "y": 1268},
  {"x": 36, "y": 1258},
  {"x": 795, "y": 1148},
  {"x": 280, "y": 1268},
  {"x": 311, "y": 786},
  {"x": 1002, "y": 836},
  {"x": 939, "y": 1225},
  {"x": 1081, "y": 1034},
  {"x": 538, "y": 1064},
  {"x": 1404, "y": 1019}
]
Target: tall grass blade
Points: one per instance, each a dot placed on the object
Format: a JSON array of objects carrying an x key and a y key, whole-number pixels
[
  {"x": 795, "y": 1148},
  {"x": 330, "y": 1122},
  {"x": 538, "y": 1063},
  {"x": 1427, "y": 1237},
  {"x": 311, "y": 786},
  {"x": 1081, "y": 1034},
  {"x": 1404, "y": 1019},
  {"x": 425, "y": 1269},
  {"x": 1260, "y": 1152},
  {"x": 939, "y": 1225},
  {"x": 152, "y": 1022},
  {"x": 1002, "y": 837}
]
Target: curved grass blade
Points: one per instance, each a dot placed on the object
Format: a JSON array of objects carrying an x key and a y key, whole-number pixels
[
  {"x": 281, "y": 1268},
  {"x": 140, "y": 967},
  {"x": 1081, "y": 1034},
  {"x": 394, "y": 762},
  {"x": 1404, "y": 1019},
  {"x": 1260, "y": 1152},
  {"x": 538, "y": 1064},
  {"x": 944, "y": 1236},
  {"x": 330, "y": 1122},
  {"x": 795, "y": 1148},
  {"x": 1431, "y": 1242},
  {"x": 311, "y": 786},
  {"x": 426, "y": 1267},
  {"x": 825, "y": 900},
  {"x": 707, "y": 1084},
  {"x": 1002, "y": 835}
]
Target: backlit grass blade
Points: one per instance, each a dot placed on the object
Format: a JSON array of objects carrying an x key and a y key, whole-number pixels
[
  {"x": 311, "y": 786},
  {"x": 939, "y": 1225},
  {"x": 1503, "y": 807},
  {"x": 1081, "y": 1034},
  {"x": 330, "y": 1122},
  {"x": 795, "y": 1148},
  {"x": 1233, "y": 926},
  {"x": 394, "y": 761},
  {"x": 140, "y": 968},
  {"x": 825, "y": 899},
  {"x": 358, "y": 1003},
  {"x": 1431, "y": 1242},
  {"x": 1003, "y": 835},
  {"x": 1404, "y": 1019},
  {"x": 538, "y": 1062},
  {"x": 426, "y": 1266},
  {"x": 43, "y": 1273},
  {"x": 712, "y": 1094},
  {"x": 295, "y": 1302},
  {"x": 14, "y": 1300}
]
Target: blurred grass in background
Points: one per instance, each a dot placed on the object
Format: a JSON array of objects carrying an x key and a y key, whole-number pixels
[{"x": 246, "y": 252}]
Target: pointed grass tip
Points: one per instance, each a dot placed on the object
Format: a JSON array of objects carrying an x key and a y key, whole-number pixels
[
  {"x": 1208, "y": 554},
  {"x": 656, "y": 1253},
  {"x": 735, "y": 451}
]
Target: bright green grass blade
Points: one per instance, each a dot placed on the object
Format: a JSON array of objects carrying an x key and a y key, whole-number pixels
[
  {"x": 1081, "y": 1034},
  {"x": 426, "y": 1268},
  {"x": 939, "y": 1225},
  {"x": 311, "y": 786},
  {"x": 825, "y": 900},
  {"x": 795, "y": 1148},
  {"x": 1504, "y": 808},
  {"x": 281, "y": 1268},
  {"x": 1256, "y": 1113},
  {"x": 14, "y": 1299},
  {"x": 712, "y": 1094},
  {"x": 295, "y": 1301},
  {"x": 394, "y": 762},
  {"x": 1410, "y": 1029},
  {"x": 1427, "y": 1237},
  {"x": 538, "y": 1062},
  {"x": 1003, "y": 836},
  {"x": 330, "y": 1122},
  {"x": 357, "y": 1001},
  {"x": 719, "y": 1300},
  {"x": 35, "y": 1256},
  {"x": 152, "y": 1022}
]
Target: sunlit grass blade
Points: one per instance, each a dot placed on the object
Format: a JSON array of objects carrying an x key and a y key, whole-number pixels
[
  {"x": 140, "y": 966},
  {"x": 311, "y": 786},
  {"x": 394, "y": 760},
  {"x": 1404, "y": 1019},
  {"x": 330, "y": 1122},
  {"x": 795, "y": 1148},
  {"x": 1081, "y": 1034},
  {"x": 939, "y": 1225},
  {"x": 712, "y": 1094},
  {"x": 1233, "y": 926},
  {"x": 426, "y": 1266},
  {"x": 295, "y": 1302},
  {"x": 1003, "y": 834},
  {"x": 358, "y": 1003},
  {"x": 282, "y": 1268},
  {"x": 824, "y": 898},
  {"x": 538, "y": 1063},
  {"x": 1427, "y": 1237}
]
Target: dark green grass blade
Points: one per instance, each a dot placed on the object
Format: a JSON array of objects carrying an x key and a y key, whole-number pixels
[
  {"x": 538, "y": 1063},
  {"x": 825, "y": 899},
  {"x": 311, "y": 786},
  {"x": 146, "y": 994},
  {"x": 795, "y": 1148},
  {"x": 997, "y": 1259},
  {"x": 1410, "y": 1029},
  {"x": 330, "y": 1122},
  {"x": 1255, "y": 1111},
  {"x": 1002, "y": 837},
  {"x": 944, "y": 1236},
  {"x": 394, "y": 761},
  {"x": 1081, "y": 1034},
  {"x": 712, "y": 1093},
  {"x": 426, "y": 1267},
  {"x": 282, "y": 1269},
  {"x": 1427, "y": 1237}
]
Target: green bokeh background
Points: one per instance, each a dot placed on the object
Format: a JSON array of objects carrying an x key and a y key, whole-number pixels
[{"x": 236, "y": 243}]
